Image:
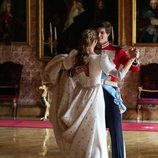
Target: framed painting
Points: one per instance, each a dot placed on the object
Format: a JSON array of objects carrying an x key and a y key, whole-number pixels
[
  {"x": 62, "y": 22},
  {"x": 145, "y": 22},
  {"x": 14, "y": 21}
]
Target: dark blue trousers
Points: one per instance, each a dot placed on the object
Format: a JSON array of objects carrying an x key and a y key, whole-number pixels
[{"x": 114, "y": 123}]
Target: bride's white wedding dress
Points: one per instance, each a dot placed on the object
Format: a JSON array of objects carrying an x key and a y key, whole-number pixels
[{"x": 77, "y": 112}]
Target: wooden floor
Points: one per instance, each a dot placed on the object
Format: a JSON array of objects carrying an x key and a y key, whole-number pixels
[{"x": 40, "y": 143}]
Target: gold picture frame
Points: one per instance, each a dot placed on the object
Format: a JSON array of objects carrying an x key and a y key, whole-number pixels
[
  {"x": 15, "y": 25},
  {"x": 48, "y": 19},
  {"x": 144, "y": 24}
]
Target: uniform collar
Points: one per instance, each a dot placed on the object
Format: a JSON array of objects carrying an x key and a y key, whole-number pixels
[{"x": 100, "y": 46}]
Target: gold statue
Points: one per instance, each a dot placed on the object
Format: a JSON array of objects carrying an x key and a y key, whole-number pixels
[{"x": 45, "y": 101}]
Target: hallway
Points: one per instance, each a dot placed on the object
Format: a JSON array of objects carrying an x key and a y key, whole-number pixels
[{"x": 40, "y": 142}]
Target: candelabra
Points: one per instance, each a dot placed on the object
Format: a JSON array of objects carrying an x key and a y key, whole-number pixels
[
  {"x": 52, "y": 41},
  {"x": 53, "y": 46}
]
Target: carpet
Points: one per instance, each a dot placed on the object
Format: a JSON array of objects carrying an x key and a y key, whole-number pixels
[
  {"x": 134, "y": 126},
  {"x": 127, "y": 126}
]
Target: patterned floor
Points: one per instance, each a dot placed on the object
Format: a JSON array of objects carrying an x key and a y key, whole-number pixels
[{"x": 40, "y": 143}]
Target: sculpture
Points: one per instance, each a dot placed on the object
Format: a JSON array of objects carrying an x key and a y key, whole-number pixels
[{"x": 44, "y": 98}]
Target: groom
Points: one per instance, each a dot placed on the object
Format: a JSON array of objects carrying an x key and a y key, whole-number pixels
[{"x": 113, "y": 102}]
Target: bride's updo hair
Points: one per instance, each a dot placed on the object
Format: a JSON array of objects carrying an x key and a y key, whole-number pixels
[{"x": 88, "y": 37}]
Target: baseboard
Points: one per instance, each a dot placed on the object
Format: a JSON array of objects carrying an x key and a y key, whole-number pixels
[
  {"x": 34, "y": 111},
  {"x": 146, "y": 114},
  {"x": 37, "y": 111}
]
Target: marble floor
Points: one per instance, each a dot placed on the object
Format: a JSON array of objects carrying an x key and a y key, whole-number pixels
[{"x": 40, "y": 143}]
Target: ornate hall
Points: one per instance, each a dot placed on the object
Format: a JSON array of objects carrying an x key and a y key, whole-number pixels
[{"x": 52, "y": 71}]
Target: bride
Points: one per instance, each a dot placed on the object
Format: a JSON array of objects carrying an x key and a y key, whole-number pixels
[{"x": 77, "y": 109}]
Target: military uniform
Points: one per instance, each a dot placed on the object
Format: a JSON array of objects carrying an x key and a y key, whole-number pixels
[{"x": 112, "y": 111}]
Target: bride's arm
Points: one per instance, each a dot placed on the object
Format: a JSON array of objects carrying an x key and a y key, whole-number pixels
[{"x": 109, "y": 67}]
